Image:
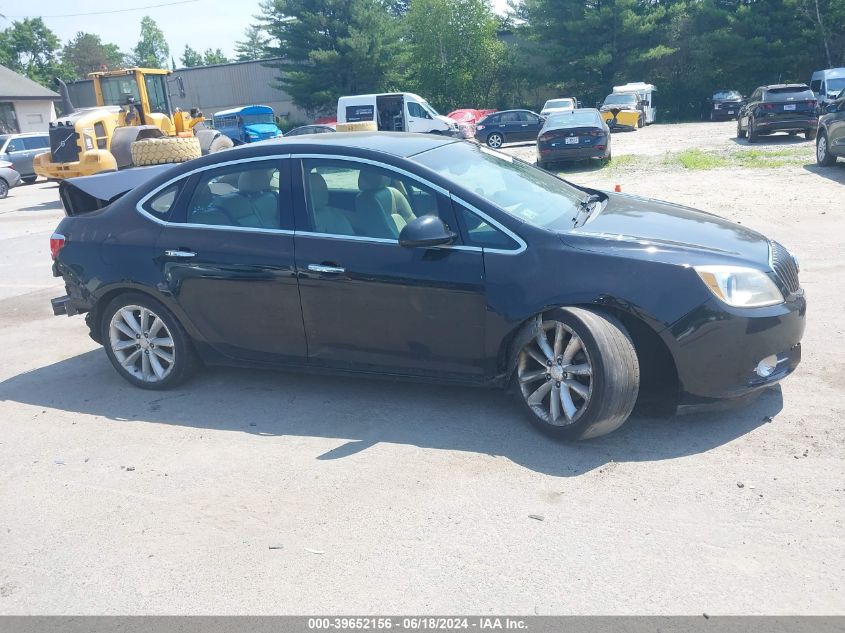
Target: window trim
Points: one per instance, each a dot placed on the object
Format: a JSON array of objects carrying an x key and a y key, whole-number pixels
[
  {"x": 139, "y": 206},
  {"x": 500, "y": 251}
]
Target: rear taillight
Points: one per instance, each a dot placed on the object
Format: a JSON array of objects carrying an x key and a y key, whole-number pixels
[
  {"x": 767, "y": 106},
  {"x": 811, "y": 103},
  {"x": 57, "y": 243}
]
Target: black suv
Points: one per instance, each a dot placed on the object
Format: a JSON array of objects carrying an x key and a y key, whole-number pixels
[
  {"x": 778, "y": 108},
  {"x": 830, "y": 141}
]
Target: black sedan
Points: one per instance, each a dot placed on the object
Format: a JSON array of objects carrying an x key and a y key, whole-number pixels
[
  {"x": 573, "y": 135},
  {"x": 787, "y": 108},
  {"x": 508, "y": 126},
  {"x": 418, "y": 256},
  {"x": 724, "y": 105}
]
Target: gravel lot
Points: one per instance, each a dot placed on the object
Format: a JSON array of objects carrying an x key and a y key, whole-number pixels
[{"x": 386, "y": 497}]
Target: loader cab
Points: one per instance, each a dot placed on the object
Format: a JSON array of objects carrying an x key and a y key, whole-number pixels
[{"x": 141, "y": 93}]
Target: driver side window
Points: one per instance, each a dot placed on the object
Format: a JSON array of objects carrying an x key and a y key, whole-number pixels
[{"x": 416, "y": 110}]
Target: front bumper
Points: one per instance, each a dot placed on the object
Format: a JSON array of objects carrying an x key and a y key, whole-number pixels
[
  {"x": 717, "y": 348},
  {"x": 724, "y": 114},
  {"x": 91, "y": 162}
]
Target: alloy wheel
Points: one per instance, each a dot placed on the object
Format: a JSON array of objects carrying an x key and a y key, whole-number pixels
[
  {"x": 555, "y": 374},
  {"x": 142, "y": 343},
  {"x": 821, "y": 149},
  {"x": 4, "y": 188},
  {"x": 495, "y": 141}
]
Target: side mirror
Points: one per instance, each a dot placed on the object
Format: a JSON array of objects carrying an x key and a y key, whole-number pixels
[{"x": 425, "y": 232}]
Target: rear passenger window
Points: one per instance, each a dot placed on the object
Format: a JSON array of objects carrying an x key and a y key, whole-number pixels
[
  {"x": 36, "y": 142},
  {"x": 161, "y": 203},
  {"x": 244, "y": 196}
]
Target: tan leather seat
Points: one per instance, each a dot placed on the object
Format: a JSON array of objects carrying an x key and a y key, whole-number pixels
[
  {"x": 380, "y": 210},
  {"x": 327, "y": 219}
]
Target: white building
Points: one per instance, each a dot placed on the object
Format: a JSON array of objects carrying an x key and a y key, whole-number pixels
[{"x": 25, "y": 106}]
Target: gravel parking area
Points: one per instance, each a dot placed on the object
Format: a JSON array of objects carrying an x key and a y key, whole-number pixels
[{"x": 265, "y": 492}]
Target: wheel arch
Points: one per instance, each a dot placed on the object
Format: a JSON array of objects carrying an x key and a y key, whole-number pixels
[
  {"x": 660, "y": 386},
  {"x": 95, "y": 314}
]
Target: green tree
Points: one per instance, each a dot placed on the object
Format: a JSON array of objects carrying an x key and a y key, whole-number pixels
[
  {"x": 455, "y": 55},
  {"x": 253, "y": 46},
  {"x": 87, "y": 53},
  {"x": 214, "y": 57},
  {"x": 32, "y": 49},
  {"x": 191, "y": 57},
  {"x": 152, "y": 50},
  {"x": 330, "y": 48}
]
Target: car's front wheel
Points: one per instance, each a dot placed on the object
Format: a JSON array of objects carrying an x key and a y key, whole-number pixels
[
  {"x": 495, "y": 140},
  {"x": 146, "y": 344},
  {"x": 577, "y": 373},
  {"x": 4, "y": 188},
  {"x": 823, "y": 155}
]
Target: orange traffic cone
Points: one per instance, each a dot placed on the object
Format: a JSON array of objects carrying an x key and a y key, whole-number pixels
[{"x": 618, "y": 188}]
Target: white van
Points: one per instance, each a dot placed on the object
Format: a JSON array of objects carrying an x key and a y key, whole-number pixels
[
  {"x": 645, "y": 93},
  {"x": 396, "y": 112},
  {"x": 827, "y": 85}
]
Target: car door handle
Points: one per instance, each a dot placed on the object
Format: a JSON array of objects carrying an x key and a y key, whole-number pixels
[
  {"x": 180, "y": 254},
  {"x": 320, "y": 268}
]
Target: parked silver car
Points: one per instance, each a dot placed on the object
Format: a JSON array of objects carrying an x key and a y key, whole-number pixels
[
  {"x": 8, "y": 178},
  {"x": 20, "y": 149}
]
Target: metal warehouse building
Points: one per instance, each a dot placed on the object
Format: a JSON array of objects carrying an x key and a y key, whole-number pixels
[{"x": 215, "y": 88}]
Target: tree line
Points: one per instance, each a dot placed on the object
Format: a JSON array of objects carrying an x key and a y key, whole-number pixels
[
  {"x": 32, "y": 49},
  {"x": 460, "y": 53}
]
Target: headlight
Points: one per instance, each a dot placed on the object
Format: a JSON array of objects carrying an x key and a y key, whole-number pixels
[{"x": 740, "y": 287}]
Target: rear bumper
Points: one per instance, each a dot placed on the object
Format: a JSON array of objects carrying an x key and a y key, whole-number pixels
[
  {"x": 572, "y": 153},
  {"x": 792, "y": 124},
  {"x": 90, "y": 163}
]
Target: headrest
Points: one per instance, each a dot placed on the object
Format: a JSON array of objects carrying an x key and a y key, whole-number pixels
[
  {"x": 372, "y": 180},
  {"x": 319, "y": 190},
  {"x": 254, "y": 180}
]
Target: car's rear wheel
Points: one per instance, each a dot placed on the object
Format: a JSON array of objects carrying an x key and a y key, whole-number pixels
[
  {"x": 752, "y": 133},
  {"x": 146, "y": 343},
  {"x": 577, "y": 373},
  {"x": 495, "y": 140},
  {"x": 823, "y": 155},
  {"x": 4, "y": 188}
]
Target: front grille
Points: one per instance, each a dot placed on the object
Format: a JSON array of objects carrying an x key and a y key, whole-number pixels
[
  {"x": 785, "y": 267},
  {"x": 63, "y": 144}
]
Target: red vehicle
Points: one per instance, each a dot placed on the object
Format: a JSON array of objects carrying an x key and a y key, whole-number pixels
[{"x": 467, "y": 118}]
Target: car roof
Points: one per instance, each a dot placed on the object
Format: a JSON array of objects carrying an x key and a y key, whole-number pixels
[
  {"x": 780, "y": 86},
  {"x": 401, "y": 144},
  {"x": 514, "y": 110}
]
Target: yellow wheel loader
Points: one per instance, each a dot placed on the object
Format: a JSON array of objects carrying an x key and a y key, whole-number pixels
[{"x": 132, "y": 124}]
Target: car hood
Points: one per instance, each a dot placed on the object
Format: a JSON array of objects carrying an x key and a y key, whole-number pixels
[
  {"x": 263, "y": 129},
  {"x": 631, "y": 222}
]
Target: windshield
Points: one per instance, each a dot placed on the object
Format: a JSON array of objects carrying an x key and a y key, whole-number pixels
[
  {"x": 559, "y": 103},
  {"x": 563, "y": 119},
  {"x": 835, "y": 85},
  {"x": 119, "y": 90},
  {"x": 428, "y": 107},
  {"x": 528, "y": 194},
  {"x": 727, "y": 95},
  {"x": 620, "y": 99},
  {"x": 252, "y": 119}
]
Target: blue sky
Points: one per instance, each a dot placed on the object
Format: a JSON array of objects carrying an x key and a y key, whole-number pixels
[{"x": 201, "y": 24}]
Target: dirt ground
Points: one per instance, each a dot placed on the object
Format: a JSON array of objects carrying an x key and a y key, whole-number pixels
[{"x": 262, "y": 492}]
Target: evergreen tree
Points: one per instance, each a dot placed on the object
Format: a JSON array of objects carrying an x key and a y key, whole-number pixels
[
  {"x": 253, "y": 46},
  {"x": 330, "y": 48}
]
